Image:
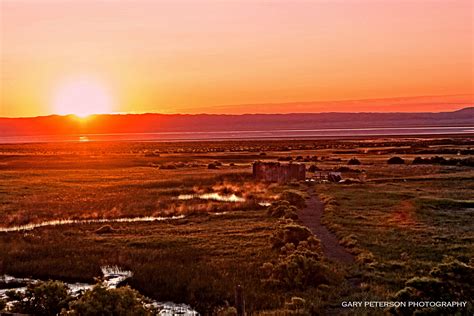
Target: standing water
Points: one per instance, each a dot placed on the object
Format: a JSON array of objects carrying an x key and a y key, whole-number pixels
[
  {"x": 59, "y": 222},
  {"x": 113, "y": 276},
  {"x": 212, "y": 196}
]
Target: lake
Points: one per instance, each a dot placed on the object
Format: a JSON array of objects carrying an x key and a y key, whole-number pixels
[{"x": 246, "y": 134}]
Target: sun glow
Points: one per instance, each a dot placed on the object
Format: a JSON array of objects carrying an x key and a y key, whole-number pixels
[{"x": 82, "y": 97}]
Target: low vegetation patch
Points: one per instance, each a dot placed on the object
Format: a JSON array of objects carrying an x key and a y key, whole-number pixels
[
  {"x": 396, "y": 161},
  {"x": 449, "y": 281},
  {"x": 399, "y": 222},
  {"x": 353, "y": 161},
  {"x": 54, "y": 298},
  {"x": 469, "y": 162},
  {"x": 300, "y": 265},
  {"x": 294, "y": 197},
  {"x": 400, "y": 234},
  {"x": 42, "y": 299}
]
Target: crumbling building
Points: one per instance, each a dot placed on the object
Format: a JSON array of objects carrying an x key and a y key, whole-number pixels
[{"x": 278, "y": 172}]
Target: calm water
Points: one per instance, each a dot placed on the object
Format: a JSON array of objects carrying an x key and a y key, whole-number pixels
[
  {"x": 212, "y": 196},
  {"x": 242, "y": 135},
  {"x": 60, "y": 222}
]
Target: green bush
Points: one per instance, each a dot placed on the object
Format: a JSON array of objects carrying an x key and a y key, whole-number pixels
[
  {"x": 296, "y": 304},
  {"x": 299, "y": 265},
  {"x": 396, "y": 161},
  {"x": 283, "y": 209},
  {"x": 227, "y": 311},
  {"x": 3, "y": 304},
  {"x": 313, "y": 168},
  {"x": 458, "y": 276},
  {"x": 294, "y": 198},
  {"x": 277, "y": 211},
  {"x": 298, "y": 271},
  {"x": 291, "y": 213},
  {"x": 353, "y": 161},
  {"x": 289, "y": 232},
  {"x": 294, "y": 233},
  {"x": 449, "y": 281},
  {"x": 41, "y": 298},
  {"x": 109, "y": 302}
]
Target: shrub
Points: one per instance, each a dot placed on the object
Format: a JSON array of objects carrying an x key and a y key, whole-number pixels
[
  {"x": 294, "y": 233},
  {"x": 418, "y": 161},
  {"x": 298, "y": 271},
  {"x": 168, "y": 167},
  {"x": 432, "y": 160},
  {"x": 310, "y": 158},
  {"x": 291, "y": 213},
  {"x": 288, "y": 232},
  {"x": 296, "y": 303},
  {"x": 437, "y": 160},
  {"x": 212, "y": 166},
  {"x": 3, "y": 304},
  {"x": 295, "y": 198},
  {"x": 449, "y": 281},
  {"x": 299, "y": 265},
  {"x": 107, "y": 302},
  {"x": 276, "y": 239},
  {"x": 313, "y": 168},
  {"x": 227, "y": 311},
  {"x": 277, "y": 211},
  {"x": 395, "y": 161},
  {"x": 353, "y": 161},
  {"x": 283, "y": 210},
  {"x": 151, "y": 153},
  {"x": 457, "y": 275},
  {"x": 349, "y": 241},
  {"x": 468, "y": 162},
  {"x": 41, "y": 298},
  {"x": 365, "y": 257},
  {"x": 346, "y": 169}
]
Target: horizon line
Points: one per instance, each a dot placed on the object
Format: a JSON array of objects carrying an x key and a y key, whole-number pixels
[
  {"x": 462, "y": 106},
  {"x": 229, "y": 114}
]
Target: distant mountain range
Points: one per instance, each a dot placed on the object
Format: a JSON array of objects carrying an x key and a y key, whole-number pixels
[{"x": 162, "y": 123}]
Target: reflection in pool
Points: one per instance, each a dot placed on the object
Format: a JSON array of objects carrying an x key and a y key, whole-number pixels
[
  {"x": 59, "y": 222},
  {"x": 212, "y": 196}
]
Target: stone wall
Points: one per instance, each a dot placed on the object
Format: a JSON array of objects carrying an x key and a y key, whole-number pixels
[{"x": 277, "y": 172}]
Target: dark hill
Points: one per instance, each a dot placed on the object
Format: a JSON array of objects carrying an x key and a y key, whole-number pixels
[{"x": 148, "y": 123}]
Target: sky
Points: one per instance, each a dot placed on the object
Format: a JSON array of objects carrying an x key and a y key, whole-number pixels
[{"x": 235, "y": 56}]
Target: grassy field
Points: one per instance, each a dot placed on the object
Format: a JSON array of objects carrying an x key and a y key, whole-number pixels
[
  {"x": 403, "y": 227},
  {"x": 400, "y": 221}
]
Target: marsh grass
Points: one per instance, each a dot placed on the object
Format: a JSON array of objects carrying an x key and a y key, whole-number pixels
[
  {"x": 400, "y": 223},
  {"x": 399, "y": 232},
  {"x": 198, "y": 260}
]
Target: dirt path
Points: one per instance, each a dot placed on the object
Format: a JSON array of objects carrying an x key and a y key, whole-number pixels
[{"x": 311, "y": 217}]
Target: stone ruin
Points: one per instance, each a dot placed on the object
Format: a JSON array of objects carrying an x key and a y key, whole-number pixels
[{"x": 278, "y": 172}]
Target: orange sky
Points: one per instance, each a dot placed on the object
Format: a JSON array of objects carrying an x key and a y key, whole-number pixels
[{"x": 206, "y": 56}]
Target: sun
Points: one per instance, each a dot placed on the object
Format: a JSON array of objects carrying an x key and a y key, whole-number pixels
[{"x": 82, "y": 96}]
